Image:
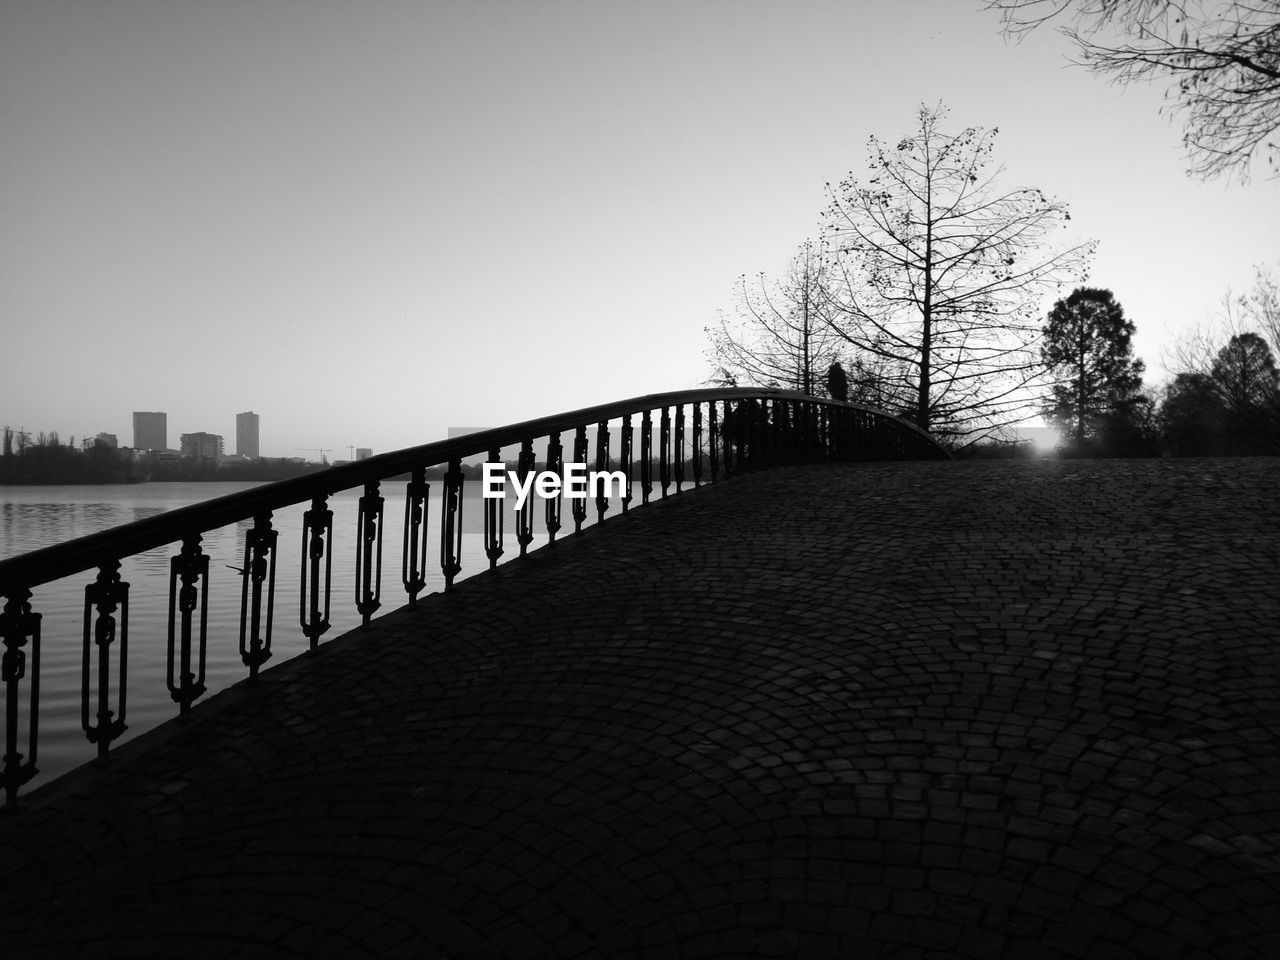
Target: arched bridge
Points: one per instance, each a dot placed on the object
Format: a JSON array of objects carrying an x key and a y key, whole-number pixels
[
  {"x": 665, "y": 443},
  {"x": 855, "y": 705}
]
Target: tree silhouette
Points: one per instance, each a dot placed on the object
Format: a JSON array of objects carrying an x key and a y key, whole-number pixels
[
  {"x": 779, "y": 334},
  {"x": 1191, "y": 416},
  {"x": 1221, "y": 58},
  {"x": 941, "y": 276},
  {"x": 1247, "y": 382},
  {"x": 1087, "y": 348}
]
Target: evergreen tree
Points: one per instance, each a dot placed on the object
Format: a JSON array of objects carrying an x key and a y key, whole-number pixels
[
  {"x": 1087, "y": 348},
  {"x": 1247, "y": 383}
]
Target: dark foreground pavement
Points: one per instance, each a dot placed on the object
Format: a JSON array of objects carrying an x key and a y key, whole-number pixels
[{"x": 899, "y": 710}]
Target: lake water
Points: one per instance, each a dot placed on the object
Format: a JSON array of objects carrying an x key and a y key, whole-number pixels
[{"x": 37, "y": 516}]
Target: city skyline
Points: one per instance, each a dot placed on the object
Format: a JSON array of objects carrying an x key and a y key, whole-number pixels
[{"x": 153, "y": 426}]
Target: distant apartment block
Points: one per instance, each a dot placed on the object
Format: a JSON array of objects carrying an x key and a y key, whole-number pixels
[
  {"x": 363, "y": 453},
  {"x": 202, "y": 446},
  {"x": 247, "y": 435},
  {"x": 150, "y": 431},
  {"x": 107, "y": 440}
]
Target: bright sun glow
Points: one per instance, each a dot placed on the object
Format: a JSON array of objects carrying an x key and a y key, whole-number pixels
[{"x": 1045, "y": 439}]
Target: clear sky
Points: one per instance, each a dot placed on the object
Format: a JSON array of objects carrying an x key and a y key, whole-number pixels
[{"x": 370, "y": 221}]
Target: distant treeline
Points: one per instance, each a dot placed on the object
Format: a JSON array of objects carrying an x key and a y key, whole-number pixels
[{"x": 46, "y": 460}]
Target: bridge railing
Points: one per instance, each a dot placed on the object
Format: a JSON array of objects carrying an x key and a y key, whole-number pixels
[{"x": 661, "y": 444}]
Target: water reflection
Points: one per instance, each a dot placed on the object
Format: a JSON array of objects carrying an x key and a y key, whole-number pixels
[{"x": 34, "y": 517}]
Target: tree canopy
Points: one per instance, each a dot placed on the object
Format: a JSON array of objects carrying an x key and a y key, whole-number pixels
[
  {"x": 1087, "y": 347},
  {"x": 939, "y": 273}
]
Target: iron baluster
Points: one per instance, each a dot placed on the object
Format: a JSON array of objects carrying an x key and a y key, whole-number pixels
[
  {"x": 602, "y": 464},
  {"x": 191, "y": 568},
  {"x": 259, "y": 568},
  {"x": 103, "y": 597},
  {"x": 18, "y": 625},
  {"x": 317, "y": 530},
  {"x": 755, "y": 440},
  {"x": 451, "y": 524},
  {"x": 768, "y": 433},
  {"x": 413, "y": 559},
  {"x": 677, "y": 453},
  {"x": 625, "y": 459},
  {"x": 817, "y": 416},
  {"x": 555, "y": 464},
  {"x": 696, "y": 448},
  {"x": 579, "y": 507},
  {"x": 664, "y": 451},
  {"x": 796, "y": 416},
  {"x": 784, "y": 415},
  {"x": 727, "y": 426},
  {"x": 646, "y": 456},
  {"x": 494, "y": 517},
  {"x": 524, "y": 515},
  {"x": 713, "y": 440},
  {"x": 369, "y": 552}
]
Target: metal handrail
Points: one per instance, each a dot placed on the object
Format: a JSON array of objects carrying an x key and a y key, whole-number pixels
[
  {"x": 732, "y": 429},
  {"x": 51, "y": 563}
]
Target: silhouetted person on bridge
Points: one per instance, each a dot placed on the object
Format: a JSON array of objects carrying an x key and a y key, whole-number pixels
[{"x": 837, "y": 382}]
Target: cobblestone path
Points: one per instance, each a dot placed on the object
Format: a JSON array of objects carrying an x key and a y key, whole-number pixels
[{"x": 1013, "y": 710}]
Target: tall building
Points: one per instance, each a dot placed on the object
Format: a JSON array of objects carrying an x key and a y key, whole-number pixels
[
  {"x": 150, "y": 431},
  {"x": 247, "y": 435},
  {"x": 202, "y": 446},
  {"x": 363, "y": 453}
]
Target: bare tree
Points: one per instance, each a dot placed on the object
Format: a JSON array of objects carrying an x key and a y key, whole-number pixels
[
  {"x": 943, "y": 274},
  {"x": 1221, "y": 58},
  {"x": 1256, "y": 311},
  {"x": 1261, "y": 306},
  {"x": 779, "y": 333}
]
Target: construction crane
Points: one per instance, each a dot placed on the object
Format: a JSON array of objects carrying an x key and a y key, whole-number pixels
[{"x": 320, "y": 450}]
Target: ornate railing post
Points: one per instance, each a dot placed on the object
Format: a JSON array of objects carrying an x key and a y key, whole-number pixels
[
  {"x": 579, "y": 506},
  {"x": 788, "y": 424},
  {"x": 664, "y": 451},
  {"x": 190, "y": 568},
  {"x": 317, "y": 532},
  {"x": 18, "y": 625},
  {"x": 741, "y": 426},
  {"x": 713, "y": 440},
  {"x": 555, "y": 464},
  {"x": 259, "y": 568},
  {"x": 626, "y": 460},
  {"x": 602, "y": 464},
  {"x": 524, "y": 515},
  {"x": 369, "y": 552},
  {"x": 646, "y": 456},
  {"x": 103, "y": 597},
  {"x": 677, "y": 452},
  {"x": 698, "y": 444},
  {"x": 451, "y": 524},
  {"x": 494, "y": 517},
  {"x": 413, "y": 559}
]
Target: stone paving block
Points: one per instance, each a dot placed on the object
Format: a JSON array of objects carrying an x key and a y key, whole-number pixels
[{"x": 987, "y": 710}]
